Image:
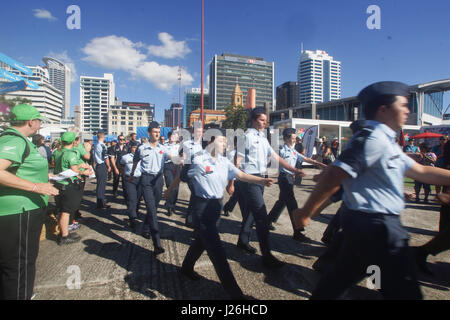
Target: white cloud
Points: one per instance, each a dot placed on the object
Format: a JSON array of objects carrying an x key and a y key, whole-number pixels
[
  {"x": 119, "y": 53},
  {"x": 64, "y": 58},
  {"x": 43, "y": 14},
  {"x": 170, "y": 48},
  {"x": 113, "y": 52}
]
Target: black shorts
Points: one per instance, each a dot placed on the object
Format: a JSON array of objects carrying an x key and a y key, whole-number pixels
[{"x": 69, "y": 198}]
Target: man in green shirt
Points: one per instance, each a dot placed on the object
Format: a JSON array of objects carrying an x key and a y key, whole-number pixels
[
  {"x": 69, "y": 199},
  {"x": 24, "y": 191}
]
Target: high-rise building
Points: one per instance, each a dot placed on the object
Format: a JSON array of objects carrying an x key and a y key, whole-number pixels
[
  {"x": 318, "y": 77},
  {"x": 192, "y": 101},
  {"x": 59, "y": 76},
  {"x": 250, "y": 72},
  {"x": 287, "y": 95},
  {"x": 173, "y": 115},
  {"x": 47, "y": 99},
  {"x": 97, "y": 94}
]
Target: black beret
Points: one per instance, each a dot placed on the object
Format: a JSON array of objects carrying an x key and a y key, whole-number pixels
[
  {"x": 370, "y": 93},
  {"x": 133, "y": 143}
]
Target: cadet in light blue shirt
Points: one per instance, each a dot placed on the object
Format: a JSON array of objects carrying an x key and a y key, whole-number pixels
[
  {"x": 132, "y": 184},
  {"x": 209, "y": 174},
  {"x": 286, "y": 183},
  {"x": 172, "y": 169},
  {"x": 372, "y": 169},
  {"x": 253, "y": 160},
  {"x": 151, "y": 157},
  {"x": 102, "y": 167}
]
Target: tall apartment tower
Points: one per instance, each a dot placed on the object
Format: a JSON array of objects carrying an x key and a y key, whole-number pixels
[
  {"x": 287, "y": 95},
  {"x": 319, "y": 77},
  {"x": 250, "y": 72},
  {"x": 97, "y": 94},
  {"x": 47, "y": 99},
  {"x": 59, "y": 76}
]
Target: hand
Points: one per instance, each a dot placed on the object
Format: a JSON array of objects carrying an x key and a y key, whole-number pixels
[
  {"x": 299, "y": 173},
  {"x": 301, "y": 218},
  {"x": 230, "y": 189},
  {"x": 87, "y": 146},
  {"x": 444, "y": 198},
  {"x": 268, "y": 182},
  {"x": 116, "y": 171},
  {"x": 322, "y": 165},
  {"x": 167, "y": 193},
  {"x": 130, "y": 179},
  {"x": 46, "y": 189},
  {"x": 109, "y": 169}
]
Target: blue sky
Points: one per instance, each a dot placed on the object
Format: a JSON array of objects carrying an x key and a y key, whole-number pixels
[{"x": 143, "y": 42}]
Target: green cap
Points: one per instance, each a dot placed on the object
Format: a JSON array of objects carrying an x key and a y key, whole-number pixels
[
  {"x": 68, "y": 137},
  {"x": 24, "y": 112}
]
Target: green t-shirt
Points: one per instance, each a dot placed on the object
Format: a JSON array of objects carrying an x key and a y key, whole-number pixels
[
  {"x": 33, "y": 169},
  {"x": 81, "y": 151},
  {"x": 56, "y": 154},
  {"x": 66, "y": 159}
]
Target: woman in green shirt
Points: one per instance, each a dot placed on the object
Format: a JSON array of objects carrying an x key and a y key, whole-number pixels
[
  {"x": 69, "y": 199},
  {"x": 24, "y": 191}
]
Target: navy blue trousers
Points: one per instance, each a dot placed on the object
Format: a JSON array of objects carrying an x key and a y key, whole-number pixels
[
  {"x": 171, "y": 171},
  {"x": 206, "y": 213},
  {"x": 101, "y": 172},
  {"x": 133, "y": 192},
  {"x": 253, "y": 211},
  {"x": 372, "y": 239},
  {"x": 152, "y": 189}
]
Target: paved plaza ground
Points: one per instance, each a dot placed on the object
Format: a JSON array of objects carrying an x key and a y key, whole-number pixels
[{"x": 115, "y": 263}]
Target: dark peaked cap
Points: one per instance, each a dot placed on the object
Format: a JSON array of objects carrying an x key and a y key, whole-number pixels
[{"x": 370, "y": 93}]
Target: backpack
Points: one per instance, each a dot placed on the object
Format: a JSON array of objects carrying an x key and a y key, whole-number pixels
[{"x": 26, "y": 153}]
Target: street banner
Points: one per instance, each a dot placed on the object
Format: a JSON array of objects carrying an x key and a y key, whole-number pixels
[
  {"x": 6, "y": 87},
  {"x": 309, "y": 139},
  {"x": 16, "y": 65},
  {"x": 14, "y": 77}
]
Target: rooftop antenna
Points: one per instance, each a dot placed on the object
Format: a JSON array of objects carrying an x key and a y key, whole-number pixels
[{"x": 301, "y": 48}]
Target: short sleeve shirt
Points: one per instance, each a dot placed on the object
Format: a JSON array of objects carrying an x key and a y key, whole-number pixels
[
  {"x": 377, "y": 167},
  {"x": 65, "y": 161},
  {"x": 190, "y": 149},
  {"x": 210, "y": 177},
  {"x": 172, "y": 150},
  {"x": 81, "y": 151},
  {"x": 151, "y": 158},
  {"x": 34, "y": 169},
  {"x": 127, "y": 162},
  {"x": 257, "y": 151},
  {"x": 100, "y": 153},
  {"x": 291, "y": 156}
]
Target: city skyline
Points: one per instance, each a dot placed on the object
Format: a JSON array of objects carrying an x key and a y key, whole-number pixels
[{"x": 143, "y": 44}]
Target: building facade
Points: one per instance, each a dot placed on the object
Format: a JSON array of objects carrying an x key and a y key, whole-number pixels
[
  {"x": 174, "y": 116},
  {"x": 59, "y": 76},
  {"x": 318, "y": 77},
  {"x": 250, "y": 72},
  {"x": 215, "y": 117},
  {"x": 192, "y": 101},
  {"x": 287, "y": 95},
  {"x": 126, "y": 117},
  {"x": 47, "y": 99},
  {"x": 97, "y": 94}
]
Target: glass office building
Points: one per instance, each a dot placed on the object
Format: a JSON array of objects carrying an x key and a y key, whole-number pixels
[
  {"x": 192, "y": 101},
  {"x": 249, "y": 72}
]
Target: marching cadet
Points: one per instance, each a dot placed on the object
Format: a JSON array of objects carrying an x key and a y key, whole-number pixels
[
  {"x": 133, "y": 189},
  {"x": 209, "y": 173},
  {"x": 372, "y": 169},
  {"x": 286, "y": 182},
  {"x": 171, "y": 170},
  {"x": 70, "y": 190},
  {"x": 102, "y": 167},
  {"x": 115, "y": 153},
  {"x": 151, "y": 157},
  {"x": 188, "y": 150},
  {"x": 254, "y": 161}
]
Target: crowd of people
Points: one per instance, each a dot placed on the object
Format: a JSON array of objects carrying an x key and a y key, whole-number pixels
[{"x": 368, "y": 178}]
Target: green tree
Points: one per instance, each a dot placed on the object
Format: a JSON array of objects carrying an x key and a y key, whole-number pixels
[
  {"x": 10, "y": 102},
  {"x": 236, "y": 118}
]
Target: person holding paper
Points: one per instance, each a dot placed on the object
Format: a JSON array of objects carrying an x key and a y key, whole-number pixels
[{"x": 70, "y": 190}]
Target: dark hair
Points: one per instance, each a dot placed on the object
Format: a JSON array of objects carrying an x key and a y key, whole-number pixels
[
  {"x": 425, "y": 147},
  {"x": 288, "y": 132},
  {"x": 217, "y": 132},
  {"x": 371, "y": 108},
  {"x": 153, "y": 125},
  {"x": 255, "y": 113},
  {"x": 169, "y": 134},
  {"x": 37, "y": 140}
]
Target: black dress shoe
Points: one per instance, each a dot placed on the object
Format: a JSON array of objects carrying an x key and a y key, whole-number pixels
[
  {"x": 226, "y": 213},
  {"x": 190, "y": 273},
  {"x": 271, "y": 262},
  {"x": 271, "y": 227},
  {"x": 246, "y": 247},
  {"x": 132, "y": 224},
  {"x": 189, "y": 224},
  {"x": 71, "y": 238},
  {"x": 159, "y": 250},
  {"x": 146, "y": 235},
  {"x": 300, "y": 237}
]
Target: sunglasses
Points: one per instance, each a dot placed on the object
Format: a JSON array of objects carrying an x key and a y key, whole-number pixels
[{"x": 121, "y": 139}]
